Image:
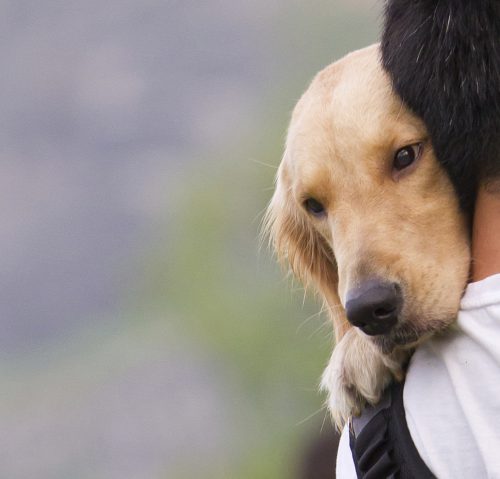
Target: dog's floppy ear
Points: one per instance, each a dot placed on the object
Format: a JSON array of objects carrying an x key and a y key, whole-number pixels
[{"x": 301, "y": 247}]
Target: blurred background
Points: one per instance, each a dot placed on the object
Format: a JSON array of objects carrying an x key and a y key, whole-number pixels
[{"x": 142, "y": 333}]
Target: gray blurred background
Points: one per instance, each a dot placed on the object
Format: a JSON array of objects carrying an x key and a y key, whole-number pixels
[{"x": 142, "y": 334}]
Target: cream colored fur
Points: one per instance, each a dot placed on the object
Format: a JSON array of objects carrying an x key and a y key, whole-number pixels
[{"x": 405, "y": 227}]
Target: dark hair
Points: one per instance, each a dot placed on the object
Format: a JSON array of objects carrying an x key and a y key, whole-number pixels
[{"x": 444, "y": 60}]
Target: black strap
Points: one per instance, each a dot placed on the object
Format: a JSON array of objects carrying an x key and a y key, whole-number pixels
[{"x": 381, "y": 443}]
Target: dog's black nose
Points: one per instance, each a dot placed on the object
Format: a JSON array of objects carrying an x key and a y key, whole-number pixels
[{"x": 374, "y": 307}]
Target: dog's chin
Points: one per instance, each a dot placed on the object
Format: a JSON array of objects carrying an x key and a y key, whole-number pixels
[
  {"x": 403, "y": 338},
  {"x": 409, "y": 334}
]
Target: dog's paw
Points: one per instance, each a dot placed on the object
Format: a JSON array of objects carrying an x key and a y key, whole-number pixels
[{"x": 357, "y": 374}]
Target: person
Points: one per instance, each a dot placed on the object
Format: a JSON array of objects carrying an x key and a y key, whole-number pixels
[{"x": 451, "y": 393}]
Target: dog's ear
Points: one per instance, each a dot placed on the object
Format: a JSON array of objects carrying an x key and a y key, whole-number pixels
[{"x": 303, "y": 249}]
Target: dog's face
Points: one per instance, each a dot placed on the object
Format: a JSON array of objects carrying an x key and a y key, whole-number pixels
[{"x": 363, "y": 210}]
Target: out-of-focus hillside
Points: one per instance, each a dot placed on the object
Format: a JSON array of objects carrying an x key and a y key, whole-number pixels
[{"x": 143, "y": 334}]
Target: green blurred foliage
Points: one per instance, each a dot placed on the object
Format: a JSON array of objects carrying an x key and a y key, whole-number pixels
[
  {"x": 208, "y": 291},
  {"x": 234, "y": 301},
  {"x": 222, "y": 290}
]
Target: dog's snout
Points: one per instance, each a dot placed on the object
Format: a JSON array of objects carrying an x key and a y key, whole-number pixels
[{"x": 374, "y": 307}]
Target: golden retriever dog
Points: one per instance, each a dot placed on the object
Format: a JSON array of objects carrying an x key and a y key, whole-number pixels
[{"x": 364, "y": 214}]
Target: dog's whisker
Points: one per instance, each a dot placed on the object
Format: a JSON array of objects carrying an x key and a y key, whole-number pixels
[
  {"x": 260, "y": 216},
  {"x": 332, "y": 309},
  {"x": 318, "y": 329},
  {"x": 322, "y": 408},
  {"x": 258, "y": 162},
  {"x": 324, "y": 418},
  {"x": 309, "y": 318}
]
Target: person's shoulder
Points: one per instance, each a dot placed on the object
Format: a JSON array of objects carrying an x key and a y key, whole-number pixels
[
  {"x": 452, "y": 355},
  {"x": 450, "y": 391},
  {"x": 481, "y": 294},
  {"x": 452, "y": 386}
]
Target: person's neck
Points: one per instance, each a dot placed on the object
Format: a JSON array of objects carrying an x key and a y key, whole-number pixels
[{"x": 486, "y": 232}]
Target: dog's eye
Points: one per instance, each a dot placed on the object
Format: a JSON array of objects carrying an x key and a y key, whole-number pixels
[
  {"x": 314, "y": 207},
  {"x": 405, "y": 156}
]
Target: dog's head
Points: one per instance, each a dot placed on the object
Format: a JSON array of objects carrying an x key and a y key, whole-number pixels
[{"x": 363, "y": 211}]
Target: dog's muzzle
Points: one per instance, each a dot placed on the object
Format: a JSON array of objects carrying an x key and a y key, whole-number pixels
[{"x": 374, "y": 306}]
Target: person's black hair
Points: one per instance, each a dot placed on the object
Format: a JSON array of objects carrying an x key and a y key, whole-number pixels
[{"x": 443, "y": 57}]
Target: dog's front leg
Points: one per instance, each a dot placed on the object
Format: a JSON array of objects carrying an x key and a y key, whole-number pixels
[{"x": 357, "y": 374}]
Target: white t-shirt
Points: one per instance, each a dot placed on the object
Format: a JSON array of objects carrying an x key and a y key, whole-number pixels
[{"x": 452, "y": 393}]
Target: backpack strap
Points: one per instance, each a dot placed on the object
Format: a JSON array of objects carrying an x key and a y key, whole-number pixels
[{"x": 381, "y": 443}]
